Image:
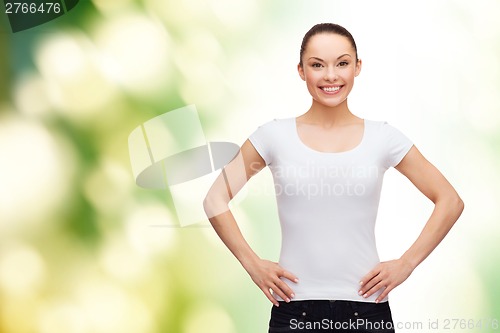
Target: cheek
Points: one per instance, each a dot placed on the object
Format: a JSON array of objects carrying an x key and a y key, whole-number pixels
[
  {"x": 350, "y": 75},
  {"x": 313, "y": 77}
]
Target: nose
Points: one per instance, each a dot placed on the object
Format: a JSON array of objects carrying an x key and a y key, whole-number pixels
[{"x": 330, "y": 74}]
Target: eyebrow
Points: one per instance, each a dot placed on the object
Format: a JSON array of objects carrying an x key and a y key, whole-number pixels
[{"x": 347, "y": 54}]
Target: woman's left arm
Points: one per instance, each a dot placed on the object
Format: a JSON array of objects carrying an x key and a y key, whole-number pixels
[{"x": 448, "y": 207}]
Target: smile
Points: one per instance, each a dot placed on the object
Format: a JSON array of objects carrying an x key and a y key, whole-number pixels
[{"x": 331, "y": 89}]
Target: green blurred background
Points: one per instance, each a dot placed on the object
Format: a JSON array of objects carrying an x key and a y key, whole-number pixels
[{"x": 83, "y": 249}]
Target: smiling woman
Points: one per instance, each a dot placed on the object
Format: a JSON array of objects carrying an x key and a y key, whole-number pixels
[{"x": 329, "y": 269}]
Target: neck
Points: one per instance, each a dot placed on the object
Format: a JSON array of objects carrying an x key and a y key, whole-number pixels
[{"x": 329, "y": 116}]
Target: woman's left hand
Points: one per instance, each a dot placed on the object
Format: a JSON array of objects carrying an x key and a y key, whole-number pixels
[{"x": 388, "y": 275}]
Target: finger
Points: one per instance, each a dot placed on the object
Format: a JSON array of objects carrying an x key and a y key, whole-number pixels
[
  {"x": 373, "y": 290},
  {"x": 290, "y": 276},
  {"x": 277, "y": 290},
  {"x": 270, "y": 297},
  {"x": 374, "y": 272},
  {"x": 384, "y": 294},
  {"x": 370, "y": 284},
  {"x": 285, "y": 289}
]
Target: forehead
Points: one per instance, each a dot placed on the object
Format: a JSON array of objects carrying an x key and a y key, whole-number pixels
[{"x": 328, "y": 44}]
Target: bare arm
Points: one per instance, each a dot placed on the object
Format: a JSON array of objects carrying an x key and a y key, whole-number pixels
[
  {"x": 232, "y": 178},
  {"x": 448, "y": 208}
]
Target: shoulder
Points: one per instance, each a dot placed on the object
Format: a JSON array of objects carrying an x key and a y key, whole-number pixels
[
  {"x": 267, "y": 135},
  {"x": 383, "y": 128},
  {"x": 390, "y": 141},
  {"x": 275, "y": 124},
  {"x": 380, "y": 125}
]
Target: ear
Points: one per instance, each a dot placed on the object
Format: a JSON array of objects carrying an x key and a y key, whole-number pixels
[
  {"x": 358, "y": 67},
  {"x": 301, "y": 72}
]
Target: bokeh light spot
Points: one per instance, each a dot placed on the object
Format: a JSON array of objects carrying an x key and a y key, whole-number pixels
[
  {"x": 22, "y": 269},
  {"x": 109, "y": 309},
  {"x": 234, "y": 13},
  {"x": 148, "y": 229},
  {"x": 108, "y": 186},
  {"x": 31, "y": 95},
  {"x": 134, "y": 49},
  {"x": 61, "y": 317},
  {"x": 208, "y": 318},
  {"x": 122, "y": 262},
  {"x": 70, "y": 65},
  {"x": 35, "y": 172}
]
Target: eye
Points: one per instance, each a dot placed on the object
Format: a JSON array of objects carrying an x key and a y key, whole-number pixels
[
  {"x": 316, "y": 65},
  {"x": 343, "y": 63}
]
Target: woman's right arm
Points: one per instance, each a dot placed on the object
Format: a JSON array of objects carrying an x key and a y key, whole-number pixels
[{"x": 265, "y": 274}]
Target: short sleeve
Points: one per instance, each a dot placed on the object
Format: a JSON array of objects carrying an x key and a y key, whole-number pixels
[
  {"x": 262, "y": 140},
  {"x": 397, "y": 145}
]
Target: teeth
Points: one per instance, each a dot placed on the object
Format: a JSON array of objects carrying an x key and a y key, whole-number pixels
[{"x": 330, "y": 89}]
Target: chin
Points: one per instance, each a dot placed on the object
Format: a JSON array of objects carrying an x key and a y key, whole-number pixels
[{"x": 330, "y": 104}]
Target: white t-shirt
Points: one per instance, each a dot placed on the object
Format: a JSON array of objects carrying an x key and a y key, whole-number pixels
[{"x": 327, "y": 205}]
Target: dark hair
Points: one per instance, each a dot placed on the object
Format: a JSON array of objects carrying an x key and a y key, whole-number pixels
[{"x": 326, "y": 28}]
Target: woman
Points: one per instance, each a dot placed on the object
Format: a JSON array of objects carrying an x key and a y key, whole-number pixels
[{"x": 328, "y": 166}]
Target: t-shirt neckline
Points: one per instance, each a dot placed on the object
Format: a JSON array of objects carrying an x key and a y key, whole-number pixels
[{"x": 301, "y": 143}]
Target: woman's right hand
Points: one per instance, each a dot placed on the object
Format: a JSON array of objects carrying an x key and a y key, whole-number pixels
[{"x": 266, "y": 275}]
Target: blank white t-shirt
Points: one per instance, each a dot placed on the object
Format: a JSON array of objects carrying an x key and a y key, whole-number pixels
[{"x": 327, "y": 205}]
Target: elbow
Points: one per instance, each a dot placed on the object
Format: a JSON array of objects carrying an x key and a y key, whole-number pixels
[
  {"x": 452, "y": 204},
  {"x": 208, "y": 204},
  {"x": 214, "y": 205},
  {"x": 455, "y": 205},
  {"x": 460, "y": 205}
]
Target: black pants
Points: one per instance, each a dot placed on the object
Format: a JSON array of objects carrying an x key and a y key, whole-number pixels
[{"x": 316, "y": 316}]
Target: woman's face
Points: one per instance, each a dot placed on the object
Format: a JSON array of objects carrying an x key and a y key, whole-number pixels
[{"x": 329, "y": 67}]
